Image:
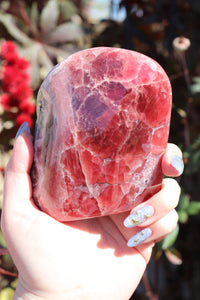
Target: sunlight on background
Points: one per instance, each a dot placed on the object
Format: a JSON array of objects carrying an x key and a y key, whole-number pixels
[{"x": 103, "y": 9}]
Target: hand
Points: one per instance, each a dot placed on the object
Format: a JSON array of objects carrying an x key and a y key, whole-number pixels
[{"x": 86, "y": 259}]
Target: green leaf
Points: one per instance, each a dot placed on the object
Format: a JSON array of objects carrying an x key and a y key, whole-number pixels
[
  {"x": 195, "y": 88},
  {"x": 194, "y": 208},
  {"x": 34, "y": 70},
  {"x": 192, "y": 153},
  {"x": 59, "y": 53},
  {"x": 32, "y": 54},
  {"x": 49, "y": 16},
  {"x": 170, "y": 239},
  {"x": 65, "y": 33},
  {"x": 196, "y": 79},
  {"x": 7, "y": 262},
  {"x": 14, "y": 283},
  {"x": 174, "y": 256},
  {"x": 193, "y": 164},
  {"x": 183, "y": 202},
  {"x": 34, "y": 14},
  {"x": 7, "y": 294},
  {"x": 2, "y": 241},
  {"x": 9, "y": 22},
  {"x": 157, "y": 253},
  {"x": 67, "y": 9},
  {"x": 183, "y": 216},
  {"x": 45, "y": 62}
]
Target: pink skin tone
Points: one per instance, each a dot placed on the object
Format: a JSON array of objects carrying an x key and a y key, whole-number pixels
[{"x": 86, "y": 259}]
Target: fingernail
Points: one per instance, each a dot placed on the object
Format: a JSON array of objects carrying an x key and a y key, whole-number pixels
[
  {"x": 23, "y": 128},
  {"x": 139, "y": 237},
  {"x": 139, "y": 216},
  {"x": 178, "y": 164}
]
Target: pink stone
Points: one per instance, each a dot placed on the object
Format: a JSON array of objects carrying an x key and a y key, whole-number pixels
[{"x": 102, "y": 126}]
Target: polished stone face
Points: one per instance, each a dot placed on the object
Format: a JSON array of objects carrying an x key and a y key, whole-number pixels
[{"x": 102, "y": 127}]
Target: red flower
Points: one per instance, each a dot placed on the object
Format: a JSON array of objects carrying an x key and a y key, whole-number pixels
[
  {"x": 27, "y": 107},
  {"x": 1, "y": 169},
  {"x": 15, "y": 85},
  {"x": 20, "y": 119},
  {"x": 21, "y": 92},
  {"x": 12, "y": 76},
  {"x": 22, "y": 63},
  {"x": 8, "y": 52},
  {"x": 5, "y": 101}
]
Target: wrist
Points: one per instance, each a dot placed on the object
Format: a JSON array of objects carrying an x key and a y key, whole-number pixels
[{"x": 23, "y": 293}]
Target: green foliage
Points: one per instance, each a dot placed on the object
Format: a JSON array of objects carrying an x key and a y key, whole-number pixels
[
  {"x": 166, "y": 246},
  {"x": 192, "y": 154},
  {"x": 68, "y": 9},
  {"x": 10, "y": 24},
  {"x": 48, "y": 37},
  {"x": 187, "y": 208},
  {"x": 49, "y": 17},
  {"x": 7, "y": 294},
  {"x": 195, "y": 87},
  {"x": 169, "y": 240},
  {"x": 2, "y": 241},
  {"x": 194, "y": 208},
  {"x": 174, "y": 256}
]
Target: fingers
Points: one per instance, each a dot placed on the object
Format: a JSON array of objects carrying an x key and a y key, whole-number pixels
[
  {"x": 156, "y": 217},
  {"x": 164, "y": 226},
  {"x": 172, "y": 163},
  {"x": 156, "y": 231},
  {"x": 156, "y": 207}
]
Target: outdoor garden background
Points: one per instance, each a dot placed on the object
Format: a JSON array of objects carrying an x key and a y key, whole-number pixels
[{"x": 35, "y": 35}]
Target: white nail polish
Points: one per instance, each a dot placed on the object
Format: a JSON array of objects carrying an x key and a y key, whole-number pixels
[
  {"x": 139, "y": 216},
  {"x": 178, "y": 164},
  {"x": 139, "y": 237}
]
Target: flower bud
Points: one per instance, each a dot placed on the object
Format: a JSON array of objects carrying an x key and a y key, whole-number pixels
[{"x": 181, "y": 44}]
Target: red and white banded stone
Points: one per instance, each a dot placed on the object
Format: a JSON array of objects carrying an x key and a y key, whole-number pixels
[{"x": 102, "y": 126}]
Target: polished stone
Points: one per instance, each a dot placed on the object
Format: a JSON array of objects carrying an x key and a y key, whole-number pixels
[{"x": 102, "y": 127}]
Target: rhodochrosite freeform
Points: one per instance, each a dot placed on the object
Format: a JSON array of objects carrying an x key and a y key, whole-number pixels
[{"x": 102, "y": 126}]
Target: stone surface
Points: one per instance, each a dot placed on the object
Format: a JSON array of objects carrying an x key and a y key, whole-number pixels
[{"x": 102, "y": 126}]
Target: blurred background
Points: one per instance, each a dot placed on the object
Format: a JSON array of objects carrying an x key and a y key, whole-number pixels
[{"x": 36, "y": 35}]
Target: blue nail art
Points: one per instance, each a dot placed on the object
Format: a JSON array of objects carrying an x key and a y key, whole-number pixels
[
  {"x": 139, "y": 216},
  {"x": 139, "y": 237},
  {"x": 177, "y": 163},
  {"x": 23, "y": 128}
]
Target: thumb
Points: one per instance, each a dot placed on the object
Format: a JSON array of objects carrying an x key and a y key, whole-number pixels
[
  {"x": 17, "y": 203},
  {"x": 22, "y": 156}
]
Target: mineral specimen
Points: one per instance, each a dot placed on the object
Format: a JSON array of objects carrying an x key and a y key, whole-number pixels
[{"x": 102, "y": 126}]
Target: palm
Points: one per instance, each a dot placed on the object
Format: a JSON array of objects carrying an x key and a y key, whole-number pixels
[{"x": 73, "y": 252}]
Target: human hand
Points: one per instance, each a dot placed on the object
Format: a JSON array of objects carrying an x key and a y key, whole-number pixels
[{"x": 87, "y": 259}]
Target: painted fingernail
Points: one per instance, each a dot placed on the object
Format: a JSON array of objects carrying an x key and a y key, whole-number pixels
[
  {"x": 178, "y": 164},
  {"x": 23, "y": 128},
  {"x": 139, "y": 237},
  {"x": 139, "y": 216}
]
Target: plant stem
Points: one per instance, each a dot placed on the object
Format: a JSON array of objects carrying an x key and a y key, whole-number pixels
[
  {"x": 150, "y": 294},
  {"x": 187, "y": 108},
  {"x": 25, "y": 17}
]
